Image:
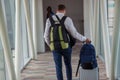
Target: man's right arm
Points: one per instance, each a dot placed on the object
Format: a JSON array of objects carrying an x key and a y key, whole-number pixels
[{"x": 72, "y": 30}]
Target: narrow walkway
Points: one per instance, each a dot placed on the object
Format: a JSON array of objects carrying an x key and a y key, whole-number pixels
[{"x": 43, "y": 68}]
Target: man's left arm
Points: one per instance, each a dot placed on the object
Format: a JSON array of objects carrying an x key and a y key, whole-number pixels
[{"x": 46, "y": 33}]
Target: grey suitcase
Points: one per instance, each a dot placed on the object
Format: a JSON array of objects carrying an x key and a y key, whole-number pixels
[{"x": 89, "y": 74}]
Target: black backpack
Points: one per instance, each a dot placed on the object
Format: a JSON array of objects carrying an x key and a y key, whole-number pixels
[
  {"x": 72, "y": 40},
  {"x": 60, "y": 41}
]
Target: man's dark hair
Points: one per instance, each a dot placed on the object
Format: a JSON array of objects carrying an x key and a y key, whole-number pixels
[{"x": 61, "y": 7}]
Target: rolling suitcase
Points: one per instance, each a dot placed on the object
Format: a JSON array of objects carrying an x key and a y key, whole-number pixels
[
  {"x": 85, "y": 74},
  {"x": 87, "y": 66}
]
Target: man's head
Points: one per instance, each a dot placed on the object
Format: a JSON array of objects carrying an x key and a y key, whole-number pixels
[{"x": 61, "y": 8}]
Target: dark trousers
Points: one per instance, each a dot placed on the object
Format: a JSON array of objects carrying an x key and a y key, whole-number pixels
[{"x": 66, "y": 53}]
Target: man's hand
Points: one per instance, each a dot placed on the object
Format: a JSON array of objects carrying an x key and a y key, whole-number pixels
[{"x": 88, "y": 40}]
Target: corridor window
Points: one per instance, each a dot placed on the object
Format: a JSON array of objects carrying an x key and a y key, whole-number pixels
[
  {"x": 111, "y": 5},
  {"x": 2, "y": 63},
  {"x": 10, "y": 18}
]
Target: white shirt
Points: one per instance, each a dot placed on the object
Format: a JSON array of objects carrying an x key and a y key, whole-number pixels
[{"x": 68, "y": 25}]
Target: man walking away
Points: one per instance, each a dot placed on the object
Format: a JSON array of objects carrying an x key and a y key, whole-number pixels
[{"x": 57, "y": 27}]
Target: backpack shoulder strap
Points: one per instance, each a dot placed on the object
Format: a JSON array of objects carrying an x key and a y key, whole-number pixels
[
  {"x": 58, "y": 18},
  {"x": 52, "y": 21},
  {"x": 62, "y": 20}
]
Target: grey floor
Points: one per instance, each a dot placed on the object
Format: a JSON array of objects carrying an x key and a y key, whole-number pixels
[{"x": 43, "y": 68}]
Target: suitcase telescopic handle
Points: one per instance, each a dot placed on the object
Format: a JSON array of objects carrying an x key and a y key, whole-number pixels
[{"x": 77, "y": 68}]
